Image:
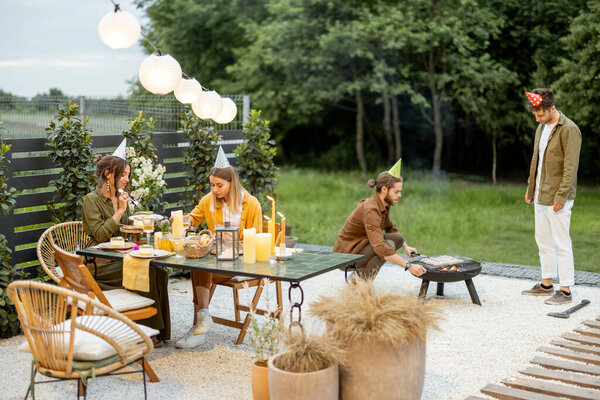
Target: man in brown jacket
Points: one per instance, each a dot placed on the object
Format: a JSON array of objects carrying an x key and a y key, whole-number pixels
[
  {"x": 551, "y": 186},
  {"x": 363, "y": 231}
]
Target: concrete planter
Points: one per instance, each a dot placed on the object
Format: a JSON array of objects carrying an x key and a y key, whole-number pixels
[
  {"x": 322, "y": 384},
  {"x": 381, "y": 371}
]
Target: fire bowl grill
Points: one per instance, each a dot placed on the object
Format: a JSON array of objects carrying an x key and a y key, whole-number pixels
[{"x": 468, "y": 270}]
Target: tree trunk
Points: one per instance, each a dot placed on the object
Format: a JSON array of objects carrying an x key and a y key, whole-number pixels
[
  {"x": 387, "y": 127},
  {"x": 437, "y": 118},
  {"x": 360, "y": 134},
  {"x": 396, "y": 125},
  {"x": 494, "y": 155}
]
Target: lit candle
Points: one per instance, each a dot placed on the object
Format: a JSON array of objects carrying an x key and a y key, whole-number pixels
[
  {"x": 157, "y": 239},
  {"x": 272, "y": 207},
  {"x": 263, "y": 246},
  {"x": 282, "y": 227},
  {"x": 271, "y": 230},
  {"x": 177, "y": 225},
  {"x": 249, "y": 246}
]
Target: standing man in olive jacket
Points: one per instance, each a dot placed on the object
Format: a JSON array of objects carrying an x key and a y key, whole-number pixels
[{"x": 551, "y": 186}]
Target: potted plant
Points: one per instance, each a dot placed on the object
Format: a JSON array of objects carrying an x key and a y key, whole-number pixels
[
  {"x": 264, "y": 339},
  {"x": 384, "y": 333},
  {"x": 308, "y": 369}
]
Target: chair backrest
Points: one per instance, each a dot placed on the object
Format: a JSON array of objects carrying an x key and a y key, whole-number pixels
[
  {"x": 68, "y": 236},
  {"x": 265, "y": 228},
  {"x": 43, "y": 311}
]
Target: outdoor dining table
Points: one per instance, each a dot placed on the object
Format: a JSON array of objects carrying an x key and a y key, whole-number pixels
[{"x": 301, "y": 266}]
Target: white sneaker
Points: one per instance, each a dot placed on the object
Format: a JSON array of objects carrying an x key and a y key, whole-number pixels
[
  {"x": 203, "y": 322},
  {"x": 190, "y": 340}
]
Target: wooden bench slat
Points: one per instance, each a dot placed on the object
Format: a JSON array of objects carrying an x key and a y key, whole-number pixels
[
  {"x": 589, "y": 340},
  {"x": 563, "y": 376},
  {"x": 553, "y": 389},
  {"x": 475, "y": 398},
  {"x": 566, "y": 365},
  {"x": 571, "y": 355},
  {"x": 576, "y": 346},
  {"x": 592, "y": 323},
  {"x": 507, "y": 393},
  {"x": 588, "y": 331}
]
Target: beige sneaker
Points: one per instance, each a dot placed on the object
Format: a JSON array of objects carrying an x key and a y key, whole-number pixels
[
  {"x": 203, "y": 322},
  {"x": 559, "y": 298},
  {"x": 538, "y": 290}
]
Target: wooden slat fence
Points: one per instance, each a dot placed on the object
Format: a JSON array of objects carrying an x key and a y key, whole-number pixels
[{"x": 30, "y": 171}]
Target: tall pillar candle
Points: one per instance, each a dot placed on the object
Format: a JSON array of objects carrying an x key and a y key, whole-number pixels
[
  {"x": 249, "y": 246},
  {"x": 177, "y": 224},
  {"x": 271, "y": 230},
  {"x": 282, "y": 227},
  {"x": 263, "y": 246}
]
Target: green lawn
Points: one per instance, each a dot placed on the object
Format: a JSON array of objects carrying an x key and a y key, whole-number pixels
[{"x": 454, "y": 216}]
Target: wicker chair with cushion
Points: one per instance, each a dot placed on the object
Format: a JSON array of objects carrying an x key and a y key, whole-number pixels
[
  {"x": 79, "y": 348},
  {"x": 68, "y": 236}
]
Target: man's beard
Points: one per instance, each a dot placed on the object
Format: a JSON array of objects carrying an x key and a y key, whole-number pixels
[{"x": 388, "y": 200}]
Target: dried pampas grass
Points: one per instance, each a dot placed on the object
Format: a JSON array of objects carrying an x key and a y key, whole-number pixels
[
  {"x": 361, "y": 311},
  {"x": 308, "y": 353}
]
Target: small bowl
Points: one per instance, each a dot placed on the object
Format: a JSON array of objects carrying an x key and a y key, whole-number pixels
[{"x": 285, "y": 257}]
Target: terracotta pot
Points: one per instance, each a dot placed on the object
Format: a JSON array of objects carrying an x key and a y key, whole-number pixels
[
  {"x": 381, "y": 371},
  {"x": 323, "y": 384},
  {"x": 260, "y": 382}
]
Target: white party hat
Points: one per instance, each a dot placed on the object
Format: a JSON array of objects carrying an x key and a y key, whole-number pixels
[
  {"x": 120, "y": 151},
  {"x": 222, "y": 161}
]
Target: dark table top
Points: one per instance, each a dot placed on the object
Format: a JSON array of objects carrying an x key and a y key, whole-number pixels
[{"x": 299, "y": 267}]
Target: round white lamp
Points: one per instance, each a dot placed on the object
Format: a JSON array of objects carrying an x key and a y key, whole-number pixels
[
  {"x": 119, "y": 29},
  {"x": 160, "y": 74},
  {"x": 188, "y": 90},
  {"x": 208, "y": 105},
  {"x": 228, "y": 112}
]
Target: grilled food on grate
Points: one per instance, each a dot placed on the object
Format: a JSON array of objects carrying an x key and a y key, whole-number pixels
[{"x": 441, "y": 261}]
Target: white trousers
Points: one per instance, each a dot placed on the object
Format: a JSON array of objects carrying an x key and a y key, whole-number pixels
[{"x": 554, "y": 243}]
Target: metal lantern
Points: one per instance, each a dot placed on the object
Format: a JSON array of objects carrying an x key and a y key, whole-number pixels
[
  {"x": 160, "y": 74},
  {"x": 227, "y": 242},
  {"x": 228, "y": 112}
]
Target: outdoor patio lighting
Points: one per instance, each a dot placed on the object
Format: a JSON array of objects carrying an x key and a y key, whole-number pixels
[
  {"x": 208, "y": 105},
  {"x": 188, "y": 90},
  {"x": 227, "y": 243},
  {"x": 119, "y": 29},
  {"x": 228, "y": 112},
  {"x": 160, "y": 74}
]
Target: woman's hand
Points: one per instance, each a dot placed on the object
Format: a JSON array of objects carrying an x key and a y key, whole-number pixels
[{"x": 123, "y": 200}]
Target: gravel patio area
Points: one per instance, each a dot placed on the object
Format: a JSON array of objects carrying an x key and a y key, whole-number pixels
[{"x": 475, "y": 346}]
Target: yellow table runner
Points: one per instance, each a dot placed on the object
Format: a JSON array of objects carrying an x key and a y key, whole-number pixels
[{"x": 136, "y": 275}]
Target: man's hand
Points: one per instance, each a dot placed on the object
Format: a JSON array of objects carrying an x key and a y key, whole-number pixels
[
  {"x": 527, "y": 199},
  {"x": 410, "y": 250},
  {"x": 557, "y": 207},
  {"x": 417, "y": 270}
]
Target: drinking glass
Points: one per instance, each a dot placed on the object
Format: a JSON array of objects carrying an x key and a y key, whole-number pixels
[
  {"x": 187, "y": 222},
  {"x": 148, "y": 227},
  {"x": 178, "y": 246}
]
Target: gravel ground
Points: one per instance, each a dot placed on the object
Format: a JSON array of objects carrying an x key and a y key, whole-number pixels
[{"x": 475, "y": 346}]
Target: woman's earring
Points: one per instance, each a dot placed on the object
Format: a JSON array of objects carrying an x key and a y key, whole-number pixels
[{"x": 108, "y": 186}]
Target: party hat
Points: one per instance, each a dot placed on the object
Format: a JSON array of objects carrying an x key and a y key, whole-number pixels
[
  {"x": 120, "y": 151},
  {"x": 395, "y": 170},
  {"x": 534, "y": 98},
  {"x": 222, "y": 161}
]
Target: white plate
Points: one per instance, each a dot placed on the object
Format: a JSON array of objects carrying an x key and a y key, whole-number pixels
[
  {"x": 284, "y": 257},
  {"x": 157, "y": 253},
  {"x": 156, "y": 217},
  {"x": 109, "y": 246}
]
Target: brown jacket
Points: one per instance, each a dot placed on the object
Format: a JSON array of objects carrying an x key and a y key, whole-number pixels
[
  {"x": 558, "y": 181},
  {"x": 365, "y": 225}
]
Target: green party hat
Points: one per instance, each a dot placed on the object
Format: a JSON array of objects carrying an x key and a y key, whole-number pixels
[{"x": 395, "y": 170}]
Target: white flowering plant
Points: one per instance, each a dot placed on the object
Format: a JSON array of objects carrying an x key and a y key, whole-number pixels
[{"x": 146, "y": 181}]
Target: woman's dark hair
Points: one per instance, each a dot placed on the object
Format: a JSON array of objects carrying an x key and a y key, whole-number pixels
[
  {"x": 112, "y": 164},
  {"x": 547, "y": 99},
  {"x": 383, "y": 180}
]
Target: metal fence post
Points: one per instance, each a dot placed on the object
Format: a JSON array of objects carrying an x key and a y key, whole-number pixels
[
  {"x": 82, "y": 108},
  {"x": 245, "y": 108}
]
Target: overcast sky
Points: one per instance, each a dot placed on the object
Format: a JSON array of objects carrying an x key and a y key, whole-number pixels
[{"x": 55, "y": 43}]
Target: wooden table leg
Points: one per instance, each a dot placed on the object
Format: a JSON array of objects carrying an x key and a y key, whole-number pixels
[
  {"x": 440, "y": 289},
  {"x": 423, "y": 291},
  {"x": 472, "y": 291}
]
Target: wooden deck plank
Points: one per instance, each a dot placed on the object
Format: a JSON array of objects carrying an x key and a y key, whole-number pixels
[
  {"x": 553, "y": 389},
  {"x": 571, "y": 355},
  {"x": 476, "y": 398},
  {"x": 563, "y": 376},
  {"x": 577, "y": 347},
  {"x": 592, "y": 323},
  {"x": 566, "y": 365},
  {"x": 507, "y": 393},
  {"x": 588, "y": 340},
  {"x": 588, "y": 331}
]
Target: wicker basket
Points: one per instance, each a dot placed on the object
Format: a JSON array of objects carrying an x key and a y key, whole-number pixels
[{"x": 193, "y": 248}]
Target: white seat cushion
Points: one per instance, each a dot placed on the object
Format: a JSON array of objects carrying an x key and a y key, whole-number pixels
[
  {"x": 123, "y": 300},
  {"x": 238, "y": 278},
  {"x": 89, "y": 347}
]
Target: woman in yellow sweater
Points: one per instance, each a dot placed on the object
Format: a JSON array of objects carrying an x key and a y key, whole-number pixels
[{"x": 227, "y": 202}]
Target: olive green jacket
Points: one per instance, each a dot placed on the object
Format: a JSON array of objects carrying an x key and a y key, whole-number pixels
[
  {"x": 97, "y": 217},
  {"x": 558, "y": 182}
]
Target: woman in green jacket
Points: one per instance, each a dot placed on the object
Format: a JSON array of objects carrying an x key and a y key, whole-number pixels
[{"x": 103, "y": 210}]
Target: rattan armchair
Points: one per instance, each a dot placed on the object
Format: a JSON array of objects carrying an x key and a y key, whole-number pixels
[
  {"x": 56, "y": 342},
  {"x": 68, "y": 236}
]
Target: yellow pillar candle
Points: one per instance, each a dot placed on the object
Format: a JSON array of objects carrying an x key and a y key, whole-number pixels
[
  {"x": 157, "y": 239},
  {"x": 263, "y": 246},
  {"x": 282, "y": 227},
  {"x": 177, "y": 225},
  {"x": 249, "y": 246}
]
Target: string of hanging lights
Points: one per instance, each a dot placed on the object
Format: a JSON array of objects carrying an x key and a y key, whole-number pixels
[{"x": 161, "y": 73}]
